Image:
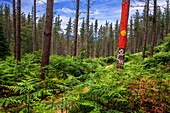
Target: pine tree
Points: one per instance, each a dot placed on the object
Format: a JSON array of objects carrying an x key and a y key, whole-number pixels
[
  {"x": 150, "y": 29},
  {"x": 40, "y": 30},
  {"x": 26, "y": 42},
  {"x": 14, "y": 29},
  {"x": 95, "y": 37},
  {"x": 18, "y": 31},
  {"x": 91, "y": 39},
  {"x": 62, "y": 43},
  {"x": 162, "y": 26},
  {"x": 7, "y": 22},
  {"x": 57, "y": 30},
  {"x": 32, "y": 25},
  {"x": 1, "y": 13},
  {"x": 107, "y": 45},
  {"x": 29, "y": 19},
  {"x": 104, "y": 41},
  {"x": 35, "y": 31},
  {"x": 82, "y": 34},
  {"x": 99, "y": 42},
  {"x": 146, "y": 30},
  {"x": 23, "y": 19},
  {"x": 154, "y": 29},
  {"x": 68, "y": 34},
  {"x": 4, "y": 46},
  {"x": 47, "y": 36},
  {"x": 116, "y": 40},
  {"x": 136, "y": 31},
  {"x": 76, "y": 28},
  {"x": 111, "y": 51},
  {"x": 131, "y": 36},
  {"x": 167, "y": 18},
  {"x": 87, "y": 28},
  {"x": 158, "y": 26}
]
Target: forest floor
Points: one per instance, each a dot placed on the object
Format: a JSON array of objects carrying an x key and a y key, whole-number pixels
[{"x": 83, "y": 85}]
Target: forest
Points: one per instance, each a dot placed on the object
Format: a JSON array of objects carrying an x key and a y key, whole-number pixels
[{"x": 86, "y": 66}]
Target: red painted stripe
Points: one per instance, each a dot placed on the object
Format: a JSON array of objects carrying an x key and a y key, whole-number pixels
[{"x": 123, "y": 25}]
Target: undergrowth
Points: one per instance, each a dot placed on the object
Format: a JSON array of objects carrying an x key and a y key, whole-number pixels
[{"x": 81, "y": 85}]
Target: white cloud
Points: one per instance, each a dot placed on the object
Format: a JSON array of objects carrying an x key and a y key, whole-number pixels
[
  {"x": 65, "y": 20},
  {"x": 55, "y": 1},
  {"x": 66, "y": 10}
]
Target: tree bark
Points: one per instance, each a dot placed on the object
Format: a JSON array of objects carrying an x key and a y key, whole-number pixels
[
  {"x": 47, "y": 37},
  {"x": 154, "y": 30},
  {"x": 130, "y": 36},
  {"x": 9, "y": 30},
  {"x": 76, "y": 29},
  {"x": 146, "y": 30},
  {"x": 135, "y": 43},
  {"x": 68, "y": 45},
  {"x": 35, "y": 32},
  {"x": 87, "y": 29},
  {"x": 14, "y": 27},
  {"x": 123, "y": 34},
  {"x": 18, "y": 31},
  {"x": 111, "y": 46},
  {"x": 94, "y": 51},
  {"x": 52, "y": 42},
  {"x": 167, "y": 18}
]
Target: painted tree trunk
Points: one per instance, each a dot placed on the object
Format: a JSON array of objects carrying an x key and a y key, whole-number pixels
[{"x": 123, "y": 34}]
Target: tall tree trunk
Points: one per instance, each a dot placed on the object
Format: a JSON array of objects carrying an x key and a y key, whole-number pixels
[
  {"x": 87, "y": 28},
  {"x": 162, "y": 27},
  {"x": 94, "y": 51},
  {"x": 77, "y": 51},
  {"x": 130, "y": 36},
  {"x": 52, "y": 42},
  {"x": 62, "y": 44},
  {"x": 146, "y": 30},
  {"x": 167, "y": 18},
  {"x": 116, "y": 37},
  {"x": 111, "y": 46},
  {"x": 123, "y": 34},
  {"x": 115, "y": 42},
  {"x": 14, "y": 27},
  {"x": 56, "y": 43},
  {"x": 154, "y": 29},
  {"x": 104, "y": 45},
  {"x": 47, "y": 36},
  {"x": 35, "y": 33},
  {"x": 135, "y": 43},
  {"x": 76, "y": 29},
  {"x": 18, "y": 30},
  {"x": 9, "y": 30},
  {"x": 68, "y": 45}
]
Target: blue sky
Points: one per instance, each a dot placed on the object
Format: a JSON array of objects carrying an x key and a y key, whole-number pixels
[{"x": 101, "y": 10}]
